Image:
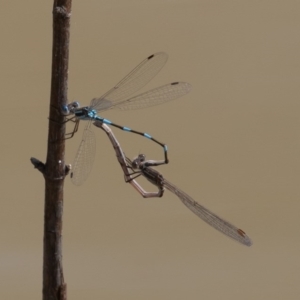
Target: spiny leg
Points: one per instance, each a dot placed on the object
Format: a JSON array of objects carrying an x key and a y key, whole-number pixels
[
  {"x": 67, "y": 110},
  {"x": 69, "y": 135},
  {"x": 137, "y": 186},
  {"x": 126, "y": 165}
]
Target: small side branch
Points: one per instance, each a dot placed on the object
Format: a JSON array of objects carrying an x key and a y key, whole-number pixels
[
  {"x": 42, "y": 167},
  {"x": 38, "y": 164}
]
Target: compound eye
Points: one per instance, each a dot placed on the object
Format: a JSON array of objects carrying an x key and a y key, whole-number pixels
[
  {"x": 75, "y": 104},
  {"x": 142, "y": 157},
  {"x": 65, "y": 110},
  {"x": 134, "y": 164}
]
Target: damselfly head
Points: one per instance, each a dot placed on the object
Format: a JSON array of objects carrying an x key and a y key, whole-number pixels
[
  {"x": 70, "y": 108},
  {"x": 138, "y": 161}
]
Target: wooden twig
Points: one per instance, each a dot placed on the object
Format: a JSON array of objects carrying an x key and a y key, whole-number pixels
[{"x": 55, "y": 170}]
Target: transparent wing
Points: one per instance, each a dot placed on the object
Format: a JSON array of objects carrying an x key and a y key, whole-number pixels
[
  {"x": 156, "y": 96},
  {"x": 85, "y": 157},
  {"x": 134, "y": 81},
  {"x": 209, "y": 217}
]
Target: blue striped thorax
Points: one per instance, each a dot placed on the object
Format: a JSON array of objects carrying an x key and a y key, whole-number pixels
[{"x": 84, "y": 113}]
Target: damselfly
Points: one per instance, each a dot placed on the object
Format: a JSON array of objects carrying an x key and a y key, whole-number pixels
[
  {"x": 117, "y": 97},
  {"x": 141, "y": 166}
]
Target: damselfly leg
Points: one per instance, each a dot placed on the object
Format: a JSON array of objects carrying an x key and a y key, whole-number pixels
[{"x": 66, "y": 111}]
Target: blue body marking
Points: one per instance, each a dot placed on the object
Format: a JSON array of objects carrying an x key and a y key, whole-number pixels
[{"x": 105, "y": 121}]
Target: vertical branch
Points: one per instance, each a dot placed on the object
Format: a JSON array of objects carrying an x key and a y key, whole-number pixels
[
  {"x": 54, "y": 287},
  {"x": 55, "y": 170}
]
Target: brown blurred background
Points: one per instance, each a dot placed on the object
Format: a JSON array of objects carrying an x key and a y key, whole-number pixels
[{"x": 233, "y": 141}]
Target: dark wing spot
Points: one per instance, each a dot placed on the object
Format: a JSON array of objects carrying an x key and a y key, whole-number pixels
[{"x": 241, "y": 232}]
